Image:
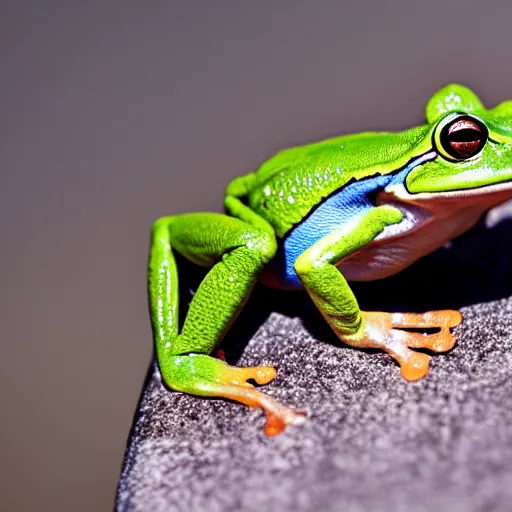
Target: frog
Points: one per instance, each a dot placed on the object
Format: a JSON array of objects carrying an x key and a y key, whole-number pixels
[{"x": 314, "y": 218}]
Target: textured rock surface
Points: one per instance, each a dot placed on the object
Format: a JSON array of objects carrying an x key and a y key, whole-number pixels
[{"x": 372, "y": 441}]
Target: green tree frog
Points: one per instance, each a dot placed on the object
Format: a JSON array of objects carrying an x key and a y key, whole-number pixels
[{"x": 351, "y": 208}]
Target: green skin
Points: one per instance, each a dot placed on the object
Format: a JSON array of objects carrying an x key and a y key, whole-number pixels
[{"x": 239, "y": 245}]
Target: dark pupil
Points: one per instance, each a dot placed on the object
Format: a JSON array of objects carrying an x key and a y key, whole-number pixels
[{"x": 464, "y": 137}]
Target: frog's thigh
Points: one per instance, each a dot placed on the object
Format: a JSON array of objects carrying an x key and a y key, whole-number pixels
[
  {"x": 333, "y": 297},
  {"x": 236, "y": 251}
]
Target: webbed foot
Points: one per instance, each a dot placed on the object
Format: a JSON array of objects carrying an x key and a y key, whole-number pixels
[{"x": 207, "y": 376}]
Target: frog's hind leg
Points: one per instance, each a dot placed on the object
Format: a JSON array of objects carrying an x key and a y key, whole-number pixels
[
  {"x": 236, "y": 251},
  {"x": 206, "y": 376}
]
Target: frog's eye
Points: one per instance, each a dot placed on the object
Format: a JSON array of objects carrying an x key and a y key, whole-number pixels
[{"x": 460, "y": 136}]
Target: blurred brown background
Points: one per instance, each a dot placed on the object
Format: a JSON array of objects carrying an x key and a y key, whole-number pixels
[{"x": 115, "y": 113}]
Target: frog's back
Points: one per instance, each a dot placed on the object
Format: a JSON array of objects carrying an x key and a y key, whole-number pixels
[{"x": 287, "y": 186}]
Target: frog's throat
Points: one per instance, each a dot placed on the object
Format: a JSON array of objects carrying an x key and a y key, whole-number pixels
[
  {"x": 429, "y": 221},
  {"x": 462, "y": 207}
]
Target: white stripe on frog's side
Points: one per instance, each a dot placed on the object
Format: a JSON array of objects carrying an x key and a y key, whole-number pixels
[{"x": 430, "y": 220}]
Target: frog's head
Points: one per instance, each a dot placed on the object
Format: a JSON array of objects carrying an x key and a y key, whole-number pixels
[{"x": 471, "y": 146}]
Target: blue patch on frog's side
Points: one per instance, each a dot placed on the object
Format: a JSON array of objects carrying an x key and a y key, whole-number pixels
[{"x": 331, "y": 215}]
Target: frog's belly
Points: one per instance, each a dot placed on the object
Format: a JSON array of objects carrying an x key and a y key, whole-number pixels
[
  {"x": 384, "y": 260},
  {"x": 397, "y": 247}
]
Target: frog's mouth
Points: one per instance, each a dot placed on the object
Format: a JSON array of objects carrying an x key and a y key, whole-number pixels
[{"x": 485, "y": 192}]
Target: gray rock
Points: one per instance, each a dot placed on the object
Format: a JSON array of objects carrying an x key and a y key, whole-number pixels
[{"x": 371, "y": 442}]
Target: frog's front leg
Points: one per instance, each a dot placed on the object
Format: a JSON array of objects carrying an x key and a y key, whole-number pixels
[
  {"x": 317, "y": 270},
  {"x": 236, "y": 251}
]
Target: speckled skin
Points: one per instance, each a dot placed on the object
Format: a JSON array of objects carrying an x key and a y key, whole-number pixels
[
  {"x": 422, "y": 188},
  {"x": 290, "y": 184}
]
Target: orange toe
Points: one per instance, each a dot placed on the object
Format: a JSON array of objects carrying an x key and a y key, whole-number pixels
[
  {"x": 274, "y": 425},
  {"x": 240, "y": 376},
  {"x": 264, "y": 374},
  {"x": 442, "y": 342},
  {"x": 415, "y": 366}
]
